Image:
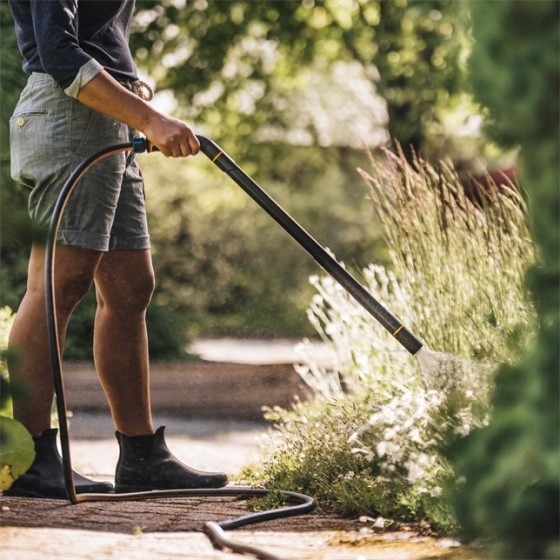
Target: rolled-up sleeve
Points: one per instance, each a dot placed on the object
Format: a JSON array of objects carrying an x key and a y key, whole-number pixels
[
  {"x": 87, "y": 72},
  {"x": 55, "y": 24}
]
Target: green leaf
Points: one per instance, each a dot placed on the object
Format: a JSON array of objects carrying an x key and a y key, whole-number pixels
[{"x": 17, "y": 451}]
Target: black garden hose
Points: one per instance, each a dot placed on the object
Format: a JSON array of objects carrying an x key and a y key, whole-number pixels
[
  {"x": 300, "y": 503},
  {"x": 214, "y": 530}
]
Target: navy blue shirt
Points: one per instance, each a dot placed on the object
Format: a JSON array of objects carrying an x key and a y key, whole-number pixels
[{"x": 72, "y": 40}]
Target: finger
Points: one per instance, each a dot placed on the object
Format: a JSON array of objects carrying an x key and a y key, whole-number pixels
[
  {"x": 194, "y": 144},
  {"x": 185, "y": 149},
  {"x": 163, "y": 149}
]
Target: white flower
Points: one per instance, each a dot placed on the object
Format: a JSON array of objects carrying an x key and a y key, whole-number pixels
[{"x": 381, "y": 449}]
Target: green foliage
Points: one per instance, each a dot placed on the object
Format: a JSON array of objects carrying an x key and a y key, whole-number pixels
[
  {"x": 15, "y": 231},
  {"x": 379, "y": 431},
  {"x": 511, "y": 467},
  {"x": 310, "y": 452},
  {"x": 224, "y": 266},
  {"x": 452, "y": 281},
  {"x": 216, "y": 55},
  {"x": 469, "y": 253},
  {"x": 6, "y": 320},
  {"x": 314, "y": 449},
  {"x": 17, "y": 450}
]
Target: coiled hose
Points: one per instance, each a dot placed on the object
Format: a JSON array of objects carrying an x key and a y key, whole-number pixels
[{"x": 300, "y": 503}]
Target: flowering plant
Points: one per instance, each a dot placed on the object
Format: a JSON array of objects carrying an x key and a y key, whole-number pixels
[{"x": 374, "y": 438}]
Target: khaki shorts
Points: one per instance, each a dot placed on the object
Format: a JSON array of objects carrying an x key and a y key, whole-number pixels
[{"x": 50, "y": 135}]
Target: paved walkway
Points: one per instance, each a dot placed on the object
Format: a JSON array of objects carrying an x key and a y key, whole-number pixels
[
  {"x": 248, "y": 351},
  {"x": 167, "y": 529},
  {"x": 43, "y": 544}
]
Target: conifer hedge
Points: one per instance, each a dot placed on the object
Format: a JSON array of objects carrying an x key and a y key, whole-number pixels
[{"x": 511, "y": 468}]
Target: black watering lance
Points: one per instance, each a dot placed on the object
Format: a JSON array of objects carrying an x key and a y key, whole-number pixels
[{"x": 211, "y": 150}]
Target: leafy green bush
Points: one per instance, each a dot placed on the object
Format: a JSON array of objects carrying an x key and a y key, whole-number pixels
[
  {"x": 453, "y": 281},
  {"x": 16, "y": 445},
  {"x": 235, "y": 66},
  {"x": 6, "y": 320},
  {"x": 15, "y": 231}
]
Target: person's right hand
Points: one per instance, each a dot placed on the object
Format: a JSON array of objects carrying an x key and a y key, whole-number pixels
[{"x": 172, "y": 137}]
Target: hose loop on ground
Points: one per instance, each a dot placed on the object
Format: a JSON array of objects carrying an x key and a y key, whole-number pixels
[{"x": 214, "y": 530}]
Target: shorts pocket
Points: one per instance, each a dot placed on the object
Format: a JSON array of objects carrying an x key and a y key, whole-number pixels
[
  {"x": 80, "y": 124},
  {"x": 28, "y": 145}
]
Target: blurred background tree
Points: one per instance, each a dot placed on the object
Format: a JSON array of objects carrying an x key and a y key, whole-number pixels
[
  {"x": 245, "y": 68},
  {"x": 15, "y": 233},
  {"x": 294, "y": 91}
]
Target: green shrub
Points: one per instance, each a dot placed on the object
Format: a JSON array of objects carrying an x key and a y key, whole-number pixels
[
  {"x": 6, "y": 320},
  {"x": 16, "y": 445},
  {"x": 511, "y": 491}
]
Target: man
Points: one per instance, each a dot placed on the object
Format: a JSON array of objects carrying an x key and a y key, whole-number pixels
[{"x": 82, "y": 96}]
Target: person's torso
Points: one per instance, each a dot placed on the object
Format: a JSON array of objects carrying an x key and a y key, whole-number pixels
[{"x": 101, "y": 28}]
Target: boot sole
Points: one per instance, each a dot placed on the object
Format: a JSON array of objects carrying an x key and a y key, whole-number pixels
[
  {"x": 30, "y": 493},
  {"x": 123, "y": 489}
]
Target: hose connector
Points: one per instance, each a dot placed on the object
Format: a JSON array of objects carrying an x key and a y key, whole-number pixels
[{"x": 141, "y": 144}]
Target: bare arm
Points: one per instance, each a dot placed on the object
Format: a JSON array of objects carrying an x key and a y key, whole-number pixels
[{"x": 172, "y": 137}]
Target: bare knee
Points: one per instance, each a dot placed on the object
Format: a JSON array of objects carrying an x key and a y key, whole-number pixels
[
  {"x": 125, "y": 281},
  {"x": 139, "y": 295},
  {"x": 74, "y": 269},
  {"x": 127, "y": 297}
]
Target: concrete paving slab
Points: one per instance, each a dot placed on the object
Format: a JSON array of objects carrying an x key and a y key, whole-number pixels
[
  {"x": 46, "y": 544},
  {"x": 251, "y": 351}
]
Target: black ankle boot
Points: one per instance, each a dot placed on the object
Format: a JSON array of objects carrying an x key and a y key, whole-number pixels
[
  {"x": 145, "y": 463},
  {"x": 45, "y": 477}
]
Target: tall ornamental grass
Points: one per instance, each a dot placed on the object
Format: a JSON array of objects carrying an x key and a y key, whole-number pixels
[{"x": 373, "y": 440}]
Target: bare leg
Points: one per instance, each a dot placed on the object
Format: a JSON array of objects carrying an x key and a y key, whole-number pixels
[
  {"x": 29, "y": 363},
  {"x": 125, "y": 283}
]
